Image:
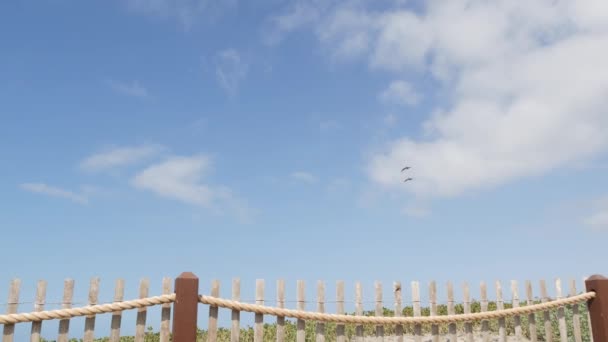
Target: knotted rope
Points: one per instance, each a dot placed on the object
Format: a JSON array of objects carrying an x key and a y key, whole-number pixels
[
  {"x": 86, "y": 311},
  {"x": 325, "y": 317}
]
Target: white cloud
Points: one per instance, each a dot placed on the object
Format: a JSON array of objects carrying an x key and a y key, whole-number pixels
[
  {"x": 177, "y": 178},
  {"x": 401, "y": 93},
  {"x": 299, "y": 14},
  {"x": 303, "y": 176},
  {"x": 181, "y": 179},
  {"x": 230, "y": 70},
  {"x": 133, "y": 89},
  {"x": 345, "y": 31},
  {"x": 402, "y": 41},
  {"x": 119, "y": 156},
  {"x": 41, "y": 188},
  {"x": 525, "y": 86}
]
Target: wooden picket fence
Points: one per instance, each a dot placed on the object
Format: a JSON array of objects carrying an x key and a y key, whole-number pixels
[
  {"x": 397, "y": 304},
  {"x": 63, "y": 334},
  {"x": 186, "y": 302}
]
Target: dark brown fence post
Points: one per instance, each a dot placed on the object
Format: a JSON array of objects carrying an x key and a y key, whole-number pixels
[
  {"x": 185, "y": 308},
  {"x": 598, "y": 307}
]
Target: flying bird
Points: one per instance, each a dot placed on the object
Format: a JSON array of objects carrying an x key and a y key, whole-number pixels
[
  {"x": 408, "y": 179},
  {"x": 405, "y": 168}
]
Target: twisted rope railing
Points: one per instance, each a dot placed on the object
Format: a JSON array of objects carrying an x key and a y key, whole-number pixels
[
  {"x": 281, "y": 312},
  {"x": 86, "y": 311},
  {"x": 345, "y": 319}
]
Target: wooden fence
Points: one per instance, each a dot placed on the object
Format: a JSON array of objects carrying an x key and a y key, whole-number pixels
[{"x": 571, "y": 321}]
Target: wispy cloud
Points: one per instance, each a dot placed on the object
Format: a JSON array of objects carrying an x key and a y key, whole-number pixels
[
  {"x": 133, "y": 89},
  {"x": 390, "y": 119},
  {"x": 185, "y": 12},
  {"x": 303, "y": 176},
  {"x": 178, "y": 178},
  {"x": 400, "y": 93},
  {"x": 44, "y": 189},
  {"x": 181, "y": 178},
  {"x": 119, "y": 156},
  {"x": 598, "y": 220},
  {"x": 300, "y": 14},
  {"x": 230, "y": 70}
]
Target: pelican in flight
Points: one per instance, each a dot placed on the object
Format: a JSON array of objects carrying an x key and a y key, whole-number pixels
[
  {"x": 405, "y": 168},
  {"x": 408, "y": 179}
]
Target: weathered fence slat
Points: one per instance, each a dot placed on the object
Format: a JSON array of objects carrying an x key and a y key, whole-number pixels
[
  {"x": 359, "y": 311},
  {"x": 451, "y": 311},
  {"x": 378, "y": 311},
  {"x": 11, "y": 308},
  {"x": 301, "y": 324},
  {"x": 485, "y": 325},
  {"x": 38, "y": 306},
  {"x": 213, "y": 313},
  {"x": 468, "y": 327},
  {"x": 280, "y": 304},
  {"x": 258, "y": 335},
  {"x": 515, "y": 302},
  {"x": 165, "y": 314},
  {"x": 433, "y": 310},
  {"x": 398, "y": 309},
  {"x": 89, "y": 323},
  {"x": 119, "y": 292},
  {"x": 320, "y": 326},
  {"x": 576, "y": 317},
  {"x": 532, "y": 316},
  {"x": 416, "y": 309},
  {"x": 546, "y": 314},
  {"x": 235, "y": 330},
  {"x": 561, "y": 315},
  {"x": 64, "y": 324},
  {"x": 502, "y": 335},
  {"x": 140, "y": 323},
  {"x": 340, "y": 328}
]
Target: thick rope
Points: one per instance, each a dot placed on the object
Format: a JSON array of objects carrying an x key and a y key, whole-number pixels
[
  {"x": 87, "y": 310},
  {"x": 324, "y": 317},
  {"x": 280, "y": 312}
]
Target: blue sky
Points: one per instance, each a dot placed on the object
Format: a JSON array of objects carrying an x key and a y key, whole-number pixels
[{"x": 264, "y": 139}]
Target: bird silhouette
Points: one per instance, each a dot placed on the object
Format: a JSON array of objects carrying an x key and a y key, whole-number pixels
[
  {"x": 408, "y": 179},
  {"x": 405, "y": 168}
]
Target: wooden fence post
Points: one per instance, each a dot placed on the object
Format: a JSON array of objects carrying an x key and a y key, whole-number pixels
[
  {"x": 598, "y": 307},
  {"x": 185, "y": 308}
]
